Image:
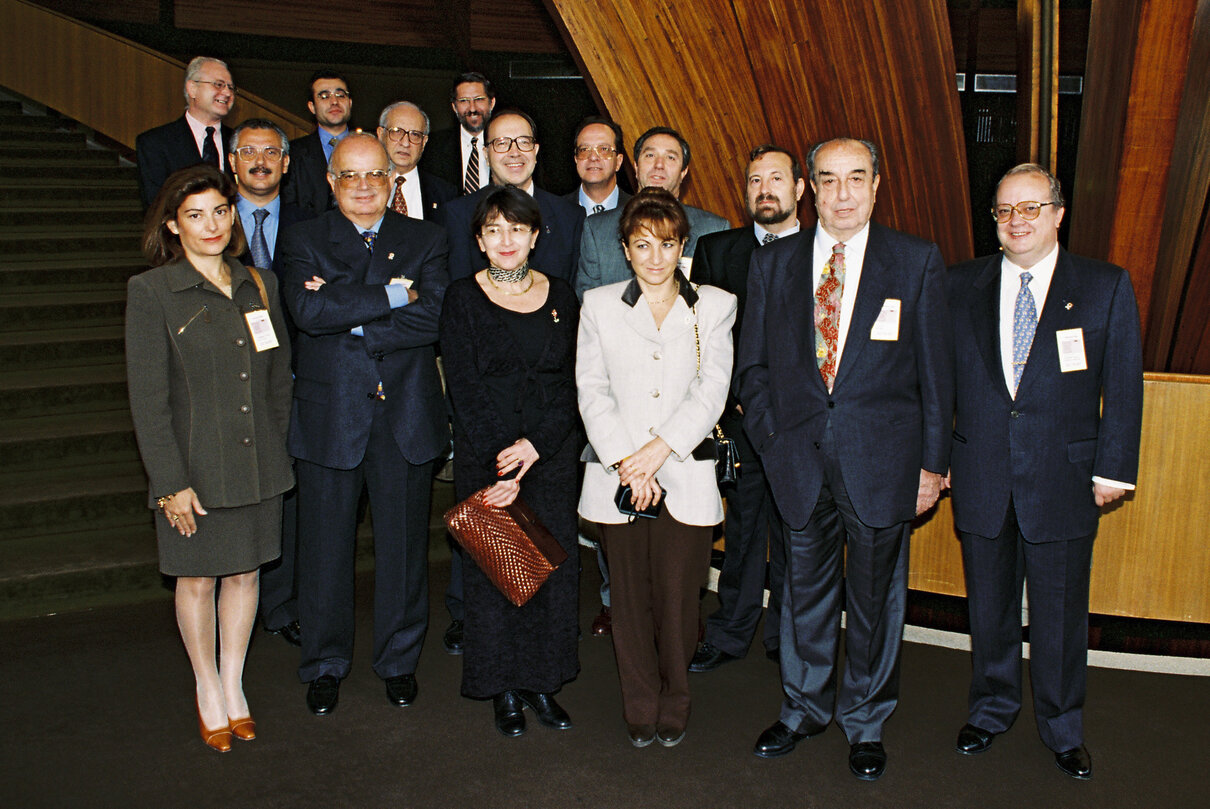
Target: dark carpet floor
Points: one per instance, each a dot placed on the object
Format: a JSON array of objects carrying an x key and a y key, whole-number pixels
[{"x": 98, "y": 712}]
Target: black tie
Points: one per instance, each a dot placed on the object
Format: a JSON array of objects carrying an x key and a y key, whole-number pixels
[
  {"x": 209, "y": 150},
  {"x": 598, "y": 208}
]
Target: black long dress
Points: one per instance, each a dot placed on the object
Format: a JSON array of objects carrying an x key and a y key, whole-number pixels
[{"x": 511, "y": 375}]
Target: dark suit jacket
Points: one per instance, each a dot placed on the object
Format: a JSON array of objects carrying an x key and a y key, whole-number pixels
[
  {"x": 338, "y": 372},
  {"x": 168, "y": 148},
  {"x": 290, "y": 214},
  {"x": 556, "y": 253},
  {"x": 306, "y": 183},
  {"x": 434, "y": 192},
  {"x": 1042, "y": 448},
  {"x": 442, "y": 157},
  {"x": 574, "y": 198},
  {"x": 891, "y": 407}
]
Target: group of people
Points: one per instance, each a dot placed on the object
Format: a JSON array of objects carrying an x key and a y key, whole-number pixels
[{"x": 588, "y": 350}]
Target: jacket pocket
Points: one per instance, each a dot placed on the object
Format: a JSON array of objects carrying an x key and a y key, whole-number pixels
[{"x": 1085, "y": 450}]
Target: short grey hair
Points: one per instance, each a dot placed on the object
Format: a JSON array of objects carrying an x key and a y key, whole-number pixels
[
  {"x": 387, "y": 110},
  {"x": 194, "y": 69},
  {"x": 358, "y": 136},
  {"x": 1056, "y": 190},
  {"x": 873, "y": 150},
  {"x": 258, "y": 123}
]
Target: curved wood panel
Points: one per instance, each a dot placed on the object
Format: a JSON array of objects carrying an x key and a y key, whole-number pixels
[
  {"x": 1151, "y": 558},
  {"x": 106, "y": 82},
  {"x": 731, "y": 75}
]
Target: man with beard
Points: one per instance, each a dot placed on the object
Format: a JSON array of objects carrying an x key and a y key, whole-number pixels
[
  {"x": 774, "y": 186},
  {"x": 459, "y": 156},
  {"x": 330, "y": 101},
  {"x": 598, "y": 155},
  {"x": 403, "y": 129}
]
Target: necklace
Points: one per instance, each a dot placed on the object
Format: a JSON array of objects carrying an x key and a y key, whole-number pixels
[
  {"x": 510, "y": 279},
  {"x": 676, "y": 287},
  {"x": 508, "y": 276}
]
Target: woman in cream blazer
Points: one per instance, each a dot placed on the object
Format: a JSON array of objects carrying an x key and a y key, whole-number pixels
[{"x": 653, "y": 367}]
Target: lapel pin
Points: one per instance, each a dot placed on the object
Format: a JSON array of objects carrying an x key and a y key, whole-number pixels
[
  {"x": 548, "y": 230},
  {"x": 1068, "y": 306},
  {"x": 554, "y": 313},
  {"x": 390, "y": 256}
]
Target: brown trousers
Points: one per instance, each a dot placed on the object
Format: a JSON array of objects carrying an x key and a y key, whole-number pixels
[{"x": 656, "y": 568}]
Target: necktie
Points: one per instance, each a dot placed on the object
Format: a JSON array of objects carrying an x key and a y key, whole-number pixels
[
  {"x": 598, "y": 208},
  {"x": 470, "y": 183},
  {"x": 209, "y": 150},
  {"x": 398, "y": 203},
  {"x": 1025, "y": 323},
  {"x": 369, "y": 236},
  {"x": 259, "y": 245},
  {"x": 827, "y": 315},
  {"x": 769, "y": 237},
  {"x": 332, "y": 141}
]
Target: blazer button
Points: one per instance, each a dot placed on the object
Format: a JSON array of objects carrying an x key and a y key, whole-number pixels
[
  {"x": 817, "y": 445},
  {"x": 831, "y": 405},
  {"x": 240, "y": 341},
  {"x": 245, "y": 409},
  {"x": 247, "y": 442},
  {"x": 655, "y": 394},
  {"x": 656, "y": 355},
  {"x": 1015, "y": 414},
  {"x": 243, "y": 375}
]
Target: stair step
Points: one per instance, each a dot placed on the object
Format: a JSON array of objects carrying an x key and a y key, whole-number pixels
[
  {"x": 25, "y": 137},
  {"x": 98, "y": 305},
  {"x": 24, "y": 242},
  {"x": 9, "y": 106},
  {"x": 25, "y": 155},
  {"x": 38, "y": 502},
  {"x": 19, "y": 122},
  {"x": 41, "y": 442},
  {"x": 128, "y": 214},
  {"x": 39, "y": 172},
  {"x": 79, "y": 389},
  {"x": 12, "y": 280},
  {"x": 50, "y": 348}
]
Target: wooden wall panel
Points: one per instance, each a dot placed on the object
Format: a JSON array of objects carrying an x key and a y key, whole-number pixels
[
  {"x": 731, "y": 75},
  {"x": 141, "y": 11}
]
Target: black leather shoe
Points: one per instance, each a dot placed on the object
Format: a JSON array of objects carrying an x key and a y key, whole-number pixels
[
  {"x": 669, "y": 736},
  {"x": 777, "y": 740},
  {"x": 291, "y": 633},
  {"x": 401, "y": 690},
  {"x": 549, "y": 712},
  {"x": 1076, "y": 762},
  {"x": 773, "y": 654},
  {"x": 641, "y": 735},
  {"x": 708, "y": 658},
  {"x": 322, "y": 695},
  {"x": 452, "y": 639},
  {"x": 510, "y": 720},
  {"x": 867, "y": 760},
  {"x": 973, "y": 740}
]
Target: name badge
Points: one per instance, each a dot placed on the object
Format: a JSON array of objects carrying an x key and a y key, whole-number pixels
[
  {"x": 685, "y": 265},
  {"x": 406, "y": 283},
  {"x": 1071, "y": 350},
  {"x": 263, "y": 336},
  {"x": 886, "y": 327}
]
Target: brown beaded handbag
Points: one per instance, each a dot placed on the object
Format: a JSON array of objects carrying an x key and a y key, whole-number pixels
[{"x": 515, "y": 551}]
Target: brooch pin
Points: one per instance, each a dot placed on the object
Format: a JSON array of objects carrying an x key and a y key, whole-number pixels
[
  {"x": 390, "y": 256},
  {"x": 1068, "y": 306},
  {"x": 554, "y": 314}
]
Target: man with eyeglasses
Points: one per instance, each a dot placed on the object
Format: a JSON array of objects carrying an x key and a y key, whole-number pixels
[
  {"x": 198, "y": 136},
  {"x": 598, "y": 156},
  {"x": 513, "y": 156},
  {"x": 329, "y": 100},
  {"x": 403, "y": 129},
  {"x": 459, "y": 155},
  {"x": 1046, "y": 432},
  {"x": 365, "y": 286},
  {"x": 661, "y": 158}
]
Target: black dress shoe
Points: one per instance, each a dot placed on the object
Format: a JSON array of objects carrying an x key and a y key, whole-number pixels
[
  {"x": 602, "y": 625},
  {"x": 867, "y": 760},
  {"x": 1076, "y": 762},
  {"x": 641, "y": 735},
  {"x": 549, "y": 712},
  {"x": 777, "y": 740},
  {"x": 669, "y": 736},
  {"x": 323, "y": 694},
  {"x": 510, "y": 720},
  {"x": 773, "y": 654},
  {"x": 708, "y": 658},
  {"x": 452, "y": 639},
  {"x": 401, "y": 690},
  {"x": 973, "y": 739},
  {"x": 290, "y": 633}
]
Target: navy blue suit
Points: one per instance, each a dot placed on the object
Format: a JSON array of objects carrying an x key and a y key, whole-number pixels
[
  {"x": 306, "y": 183},
  {"x": 845, "y": 466},
  {"x": 168, "y": 148},
  {"x": 343, "y": 433},
  {"x": 1021, "y": 472},
  {"x": 434, "y": 193}
]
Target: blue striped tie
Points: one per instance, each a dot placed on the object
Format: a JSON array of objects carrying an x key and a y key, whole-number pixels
[{"x": 1025, "y": 323}]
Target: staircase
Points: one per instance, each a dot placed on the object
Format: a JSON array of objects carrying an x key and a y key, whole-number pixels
[{"x": 74, "y": 525}]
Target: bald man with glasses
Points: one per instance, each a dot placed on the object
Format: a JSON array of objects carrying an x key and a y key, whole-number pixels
[{"x": 403, "y": 128}]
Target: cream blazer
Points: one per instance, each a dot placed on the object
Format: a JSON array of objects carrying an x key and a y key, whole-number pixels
[{"x": 635, "y": 381}]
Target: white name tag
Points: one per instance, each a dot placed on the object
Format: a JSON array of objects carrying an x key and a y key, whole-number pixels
[
  {"x": 886, "y": 327},
  {"x": 1071, "y": 350},
  {"x": 685, "y": 265},
  {"x": 263, "y": 336},
  {"x": 406, "y": 283}
]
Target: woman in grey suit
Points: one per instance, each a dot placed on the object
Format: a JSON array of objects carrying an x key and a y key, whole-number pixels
[
  {"x": 653, "y": 367},
  {"x": 208, "y": 368}
]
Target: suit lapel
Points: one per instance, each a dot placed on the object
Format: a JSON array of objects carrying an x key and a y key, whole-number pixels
[
  {"x": 348, "y": 247},
  {"x": 871, "y": 292},
  {"x": 386, "y": 258},
  {"x": 1064, "y": 288},
  {"x": 985, "y": 320}
]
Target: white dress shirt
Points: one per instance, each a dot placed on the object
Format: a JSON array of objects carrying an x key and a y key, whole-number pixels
[
  {"x": 411, "y": 193},
  {"x": 854, "y": 258}
]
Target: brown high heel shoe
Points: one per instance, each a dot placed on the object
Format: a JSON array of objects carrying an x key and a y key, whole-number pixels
[
  {"x": 217, "y": 739},
  {"x": 243, "y": 729}
]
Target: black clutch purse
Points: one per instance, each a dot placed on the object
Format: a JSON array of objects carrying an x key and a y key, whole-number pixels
[
  {"x": 622, "y": 500},
  {"x": 720, "y": 449}
]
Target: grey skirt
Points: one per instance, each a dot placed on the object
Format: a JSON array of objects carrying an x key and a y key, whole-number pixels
[{"x": 227, "y": 540}]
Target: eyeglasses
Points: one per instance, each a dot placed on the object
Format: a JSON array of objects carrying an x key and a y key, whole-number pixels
[
  {"x": 350, "y": 179},
  {"x": 324, "y": 95},
  {"x": 219, "y": 85},
  {"x": 503, "y": 144},
  {"x": 475, "y": 100},
  {"x": 496, "y": 231},
  {"x": 1028, "y": 210},
  {"x": 603, "y": 152},
  {"x": 272, "y": 154},
  {"x": 395, "y": 134}
]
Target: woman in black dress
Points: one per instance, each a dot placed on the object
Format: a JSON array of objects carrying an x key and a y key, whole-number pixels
[{"x": 508, "y": 341}]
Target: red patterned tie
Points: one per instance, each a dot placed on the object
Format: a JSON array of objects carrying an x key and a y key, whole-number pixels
[
  {"x": 827, "y": 315},
  {"x": 398, "y": 203}
]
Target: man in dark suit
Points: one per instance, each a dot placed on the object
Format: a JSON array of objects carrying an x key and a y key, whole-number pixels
[
  {"x": 851, "y": 411},
  {"x": 513, "y": 156},
  {"x": 329, "y": 100},
  {"x": 1049, "y": 410},
  {"x": 773, "y": 188},
  {"x": 403, "y": 129},
  {"x": 459, "y": 155},
  {"x": 365, "y": 287},
  {"x": 260, "y": 156},
  {"x": 198, "y": 136},
  {"x": 599, "y": 155},
  {"x": 661, "y": 158}
]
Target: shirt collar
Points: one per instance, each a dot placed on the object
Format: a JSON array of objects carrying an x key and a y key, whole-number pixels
[
  {"x": 610, "y": 202},
  {"x": 1042, "y": 271},
  {"x": 246, "y": 206},
  {"x": 761, "y": 232},
  {"x": 634, "y": 293},
  {"x": 854, "y": 246}
]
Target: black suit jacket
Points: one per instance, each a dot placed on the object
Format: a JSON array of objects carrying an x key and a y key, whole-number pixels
[
  {"x": 337, "y": 371},
  {"x": 434, "y": 192},
  {"x": 443, "y": 157},
  {"x": 306, "y": 183},
  {"x": 168, "y": 148},
  {"x": 557, "y": 252}
]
